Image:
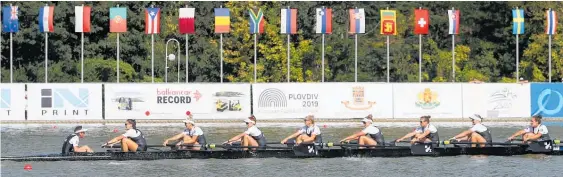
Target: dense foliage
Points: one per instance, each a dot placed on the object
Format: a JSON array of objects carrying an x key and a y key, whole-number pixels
[{"x": 485, "y": 49}]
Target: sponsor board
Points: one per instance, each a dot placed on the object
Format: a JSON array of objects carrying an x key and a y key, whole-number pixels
[
  {"x": 496, "y": 100},
  {"x": 64, "y": 101},
  {"x": 12, "y": 101},
  {"x": 174, "y": 101},
  {"x": 436, "y": 100},
  {"x": 547, "y": 99},
  {"x": 324, "y": 100}
]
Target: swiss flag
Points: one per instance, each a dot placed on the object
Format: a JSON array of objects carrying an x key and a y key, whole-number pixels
[{"x": 421, "y": 21}]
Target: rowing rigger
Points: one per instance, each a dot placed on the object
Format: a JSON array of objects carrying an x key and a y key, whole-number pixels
[{"x": 320, "y": 150}]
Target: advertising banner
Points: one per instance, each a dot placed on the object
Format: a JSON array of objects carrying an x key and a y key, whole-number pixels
[
  {"x": 496, "y": 100},
  {"x": 323, "y": 100},
  {"x": 547, "y": 99},
  {"x": 412, "y": 100},
  {"x": 64, "y": 101},
  {"x": 174, "y": 101},
  {"x": 12, "y": 101}
]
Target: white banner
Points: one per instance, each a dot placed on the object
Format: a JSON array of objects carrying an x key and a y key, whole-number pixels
[
  {"x": 496, "y": 100},
  {"x": 12, "y": 101},
  {"x": 324, "y": 100},
  {"x": 173, "y": 101},
  {"x": 64, "y": 101},
  {"x": 437, "y": 100}
]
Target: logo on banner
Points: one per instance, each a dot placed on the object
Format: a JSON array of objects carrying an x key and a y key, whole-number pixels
[
  {"x": 180, "y": 96},
  {"x": 64, "y": 101},
  {"x": 502, "y": 99},
  {"x": 359, "y": 103},
  {"x": 546, "y": 101},
  {"x": 272, "y": 98},
  {"x": 6, "y": 100},
  {"x": 427, "y": 99},
  {"x": 228, "y": 101}
]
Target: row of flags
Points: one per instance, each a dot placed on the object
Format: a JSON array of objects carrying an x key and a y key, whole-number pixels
[{"x": 388, "y": 26}]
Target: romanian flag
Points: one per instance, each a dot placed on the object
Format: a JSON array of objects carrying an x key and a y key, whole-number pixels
[
  {"x": 357, "y": 21},
  {"x": 388, "y": 22},
  {"x": 222, "y": 20},
  {"x": 551, "y": 22},
  {"x": 256, "y": 21},
  {"x": 288, "y": 21},
  {"x": 118, "y": 20},
  {"x": 517, "y": 21}
]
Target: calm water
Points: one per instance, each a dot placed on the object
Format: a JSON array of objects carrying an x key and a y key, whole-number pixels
[{"x": 32, "y": 139}]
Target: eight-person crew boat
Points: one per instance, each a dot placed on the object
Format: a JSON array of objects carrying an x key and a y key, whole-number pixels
[
  {"x": 370, "y": 135},
  {"x": 71, "y": 142},
  {"x": 192, "y": 135},
  {"x": 132, "y": 140},
  {"x": 310, "y": 133},
  {"x": 535, "y": 132},
  {"x": 251, "y": 137},
  {"x": 478, "y": 133},
  {"x": 425, "y": 133}
]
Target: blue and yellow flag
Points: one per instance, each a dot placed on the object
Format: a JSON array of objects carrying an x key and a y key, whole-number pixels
[{"x": 517, "y": 21}]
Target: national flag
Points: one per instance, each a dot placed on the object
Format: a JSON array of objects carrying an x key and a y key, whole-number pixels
[
  {"x": 222, "y": 20},
  {"x": 46, "y": 19},
  {"x": 82, "y": 19},
  {"x": 187, "y": 21},
  {"x": 551, "y": 22},
  {"x": 288, "y": 21},
  {"x": 453, "y": 15},
  {"x": 324, "y": 20},
  {"x": 152, "y": 20},
  {"x": 421, "y": 21},
  {"x": 388, "y": 22},
  {"x": 118, "y": 20},
  {"x": 256, "y": 21},
  {"x": 517, "y": 21},
  {"x": 357, "y": 21},
  {"x": 10, "y": 21}
]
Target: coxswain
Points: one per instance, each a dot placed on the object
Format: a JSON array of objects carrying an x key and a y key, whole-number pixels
[
  {"x": 71, "y": 142},
  {"x": 535, "y": 132},
  {"x": 310, "y": 133},
  {"x": 132, "y": 140},
  {"x": 370, "y": 135},
  {"x": 251, "y": 137},
  {"x": 425, "y": 133},
  {"x": 192, "y": 135},
  {"x": 478, "y": 133}
]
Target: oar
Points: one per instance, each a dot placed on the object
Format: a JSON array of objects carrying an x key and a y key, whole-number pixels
[{"x": 471, "y": 143}]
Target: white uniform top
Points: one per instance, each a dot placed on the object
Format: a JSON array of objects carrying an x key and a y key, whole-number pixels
[
  {"x": 428, "y": 127},
  {"x": 541, "y": 129},
  {"x": 253, "y": 131},
  {"x": 310, "y": 130},
  {"x": 74, "y": 141},
  {"x": 372, "y": 130},
  {"x": 132, "y": 133},
  {"x": 196, "y": 131},
  {"x": 479, "y": 128}
]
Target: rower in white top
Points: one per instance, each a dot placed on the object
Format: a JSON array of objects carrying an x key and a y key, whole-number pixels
[
  {"x": 535, "y": 132},
  {"x": 425, "y": 133},
  {"x": 71, "y": 142},
  {"x": 370, "y": 135},
  {"x": 132, "y": 140},
  {"x": 251, "y": 137},
  {"x": 192, "y": 135},
  {"x": 478, "y": 133},
  {"x": 310, "y": 133}
]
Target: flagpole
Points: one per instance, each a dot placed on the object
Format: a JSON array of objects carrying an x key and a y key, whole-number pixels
[
  {"x": 187, "y": 56},
  {"x": 323, "y": 57},
  {"x": 388, "y": 55},
  {"x": 11, "y": 57},
  {"x": 178, "y": 65},
  {"x": 419, "y": 55},
  {"x": 355, "y": 53},
  {"x": 221, "y": 53},
  {"x": 82, "y": 53},
  {"x": 517, "y": 60},
  {"x": 288, "y": 48},
  {"x": 46, "y": 57},
  {"x": 255, "y": 41},
  {"x": 0, "y": 46},
  {"x": 549, "y": 57},
  {"x": 118, "y": 57},
  {"x": 453, "y": 51}
]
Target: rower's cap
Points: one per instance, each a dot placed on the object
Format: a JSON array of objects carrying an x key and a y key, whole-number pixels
[
  {"x": 189, "y": 121},
  {"x": 79, "y": 129},
  {"x": 367, "y": 120},
  {"x": 309, "y": 117},
  {"x": 476, "y": 117},
  {"x": 250, "y": 119},
  {"x": 369, "y": 116}
]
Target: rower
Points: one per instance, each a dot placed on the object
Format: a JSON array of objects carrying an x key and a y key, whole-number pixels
[
  {"x": 132, "y": 140},
  {"x": 310, "y": 133},
  {"x": 251, "y": 137},
  {"x": 192, "y": 135},
  {"x": 425, "y": 133},
  {"x": 476, "y": 134},
  {"x": 71, "y": 142},
  {"x": 535, "y": 132},
  {"x": 370, "y": 135}
]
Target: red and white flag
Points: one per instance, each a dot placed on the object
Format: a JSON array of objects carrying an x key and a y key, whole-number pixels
[
  {"x": 152, "y": 20},
  {"x": 82, "y": 19},
  {"x": 421, "y": 21},
  {"x": 187, "y": 21}
]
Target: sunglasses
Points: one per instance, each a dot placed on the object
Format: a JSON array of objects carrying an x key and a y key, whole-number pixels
[{"x": 246, "y": 123}]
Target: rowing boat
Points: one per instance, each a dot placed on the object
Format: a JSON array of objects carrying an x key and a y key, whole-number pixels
[{"x": 325, "y": 150}]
